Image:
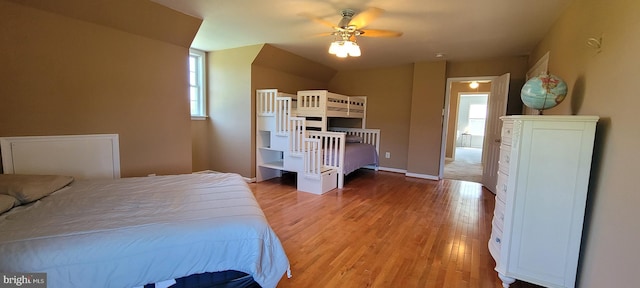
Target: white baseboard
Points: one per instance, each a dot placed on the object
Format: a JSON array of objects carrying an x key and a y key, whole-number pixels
[
  {"x": 422, "y": 176},
  {"x": 395, "y": 170},
  {"x": 414, "y": 175}
]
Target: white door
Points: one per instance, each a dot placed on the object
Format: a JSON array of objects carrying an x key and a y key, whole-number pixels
[{"x": 497, "y": 108}]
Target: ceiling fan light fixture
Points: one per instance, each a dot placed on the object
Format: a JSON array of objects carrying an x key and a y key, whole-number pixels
[
  {"x": 335, "y": 46},
  {"x": 350, "y": 27},
  {"x": 342, "y": 53},
  {"x": 344, "y": 48},
  {"x": 354, "y": 50}
]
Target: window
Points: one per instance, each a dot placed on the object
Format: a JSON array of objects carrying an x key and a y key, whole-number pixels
[
  {"x": 197, "y": 84},
  {"x": 477, "y": 118}
]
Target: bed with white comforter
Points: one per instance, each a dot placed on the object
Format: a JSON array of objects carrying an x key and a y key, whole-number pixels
[{"x": 132, "y": 231}]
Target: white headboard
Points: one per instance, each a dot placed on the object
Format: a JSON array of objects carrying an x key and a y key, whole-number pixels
[{"x": 81, "y": 156}]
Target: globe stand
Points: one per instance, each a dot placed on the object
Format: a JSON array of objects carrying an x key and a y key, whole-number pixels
[{"x": 544, "y": 103}]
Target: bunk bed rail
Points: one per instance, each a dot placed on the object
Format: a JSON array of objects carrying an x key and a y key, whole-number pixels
[
  {"x": 312, "y": 102},
  {"x": 332, "y": 145},
  {"x": 297, "y": 135},
  {"x": 266, "y": 102},
  {"x": 283, "y": 108},
  {"x": 322, "y": 103},
  {"x": 313, "y": 158},
  {"x": 266, "y": 99},
  {"x": 369, "y": 136},
  {"x": 346, "y": 106}
]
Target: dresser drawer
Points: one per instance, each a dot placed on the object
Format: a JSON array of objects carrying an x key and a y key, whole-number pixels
[
  {"x": 498, "y": 214},
  {"x": 495, "y": 243},
  {"x": 505, "y": 159},
  {"x": 507, "y": 133},
  {"x": 501, "y": 187}
]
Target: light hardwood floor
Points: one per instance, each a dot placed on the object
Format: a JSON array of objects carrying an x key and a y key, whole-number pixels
[{"x": 383, "y": 230}]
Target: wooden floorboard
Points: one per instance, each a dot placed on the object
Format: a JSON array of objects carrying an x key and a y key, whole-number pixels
[{"x": 383, "y": 230}]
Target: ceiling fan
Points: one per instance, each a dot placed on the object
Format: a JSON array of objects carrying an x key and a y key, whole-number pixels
[{"x": 350, "y": 26}]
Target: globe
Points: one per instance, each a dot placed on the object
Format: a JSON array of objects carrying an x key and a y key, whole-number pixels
[{"x": 543, "y": 92}]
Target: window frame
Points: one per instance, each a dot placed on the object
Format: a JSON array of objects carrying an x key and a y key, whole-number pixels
[{"x": 201, "y": 84}]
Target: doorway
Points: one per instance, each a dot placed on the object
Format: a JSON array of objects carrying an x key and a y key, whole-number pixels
[
  {"x": 465, "y": 120},
  {"x": 464, "y": 158}
]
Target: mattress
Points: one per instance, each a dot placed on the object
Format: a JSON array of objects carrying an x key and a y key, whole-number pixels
[
  {"x": 358, "y": 155},
  {"x": 132, "y": 231}
]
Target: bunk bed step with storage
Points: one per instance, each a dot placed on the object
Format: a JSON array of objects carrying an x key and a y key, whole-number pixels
[
  {"x": 266, "y": 123},
  {"x": 293, "y": 162},
  {"x": 279, "y": 142},
  {"x": 266, "y": 172},
  {"x": 327, "y": 181}
]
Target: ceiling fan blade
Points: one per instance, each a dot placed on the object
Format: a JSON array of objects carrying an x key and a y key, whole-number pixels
[
  {"x": 365, "y": 17},
  {"x": 323, "y": 34},
  {"x": 318, "y": 20},
  {"x": 379, "y": 33}
]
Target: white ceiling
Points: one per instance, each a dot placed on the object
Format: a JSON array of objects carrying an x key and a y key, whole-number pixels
[{"x": 460, "y": 29}]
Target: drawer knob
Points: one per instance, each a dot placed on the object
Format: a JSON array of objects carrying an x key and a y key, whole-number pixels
[{"x": 497, "y": 240}]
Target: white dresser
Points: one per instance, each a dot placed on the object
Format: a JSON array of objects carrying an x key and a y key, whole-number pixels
[{"x": 541, "y": 194}]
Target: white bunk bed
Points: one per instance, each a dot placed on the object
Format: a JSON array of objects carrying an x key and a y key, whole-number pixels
[
  {"x": 321, "y": 156},
  {"x": 324, "y": 104}
]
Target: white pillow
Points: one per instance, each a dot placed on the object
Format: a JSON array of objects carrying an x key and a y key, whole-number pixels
[
  {"x": 353, "y": 139},
  {"x": 7, "y": 202},
  {"x": 29, "y": 188}
]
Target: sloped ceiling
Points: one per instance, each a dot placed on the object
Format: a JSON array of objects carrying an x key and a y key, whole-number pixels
[
  {"x": 144, "y": 18},
  {"x": 462, "y": 30}
]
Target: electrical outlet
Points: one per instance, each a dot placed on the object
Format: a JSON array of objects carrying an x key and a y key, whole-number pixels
[{"x": 387, "y": 155}]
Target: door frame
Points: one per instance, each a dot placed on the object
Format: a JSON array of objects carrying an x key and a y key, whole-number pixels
[{"x": 445, "y": 115}]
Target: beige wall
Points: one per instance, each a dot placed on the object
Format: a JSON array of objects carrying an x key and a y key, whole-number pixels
[
  {"x": 388, "y": 92},
  {"x": 61, "y": 75},
  {"x": 427, "y": 102},
  {"x": 200, "y": 145},
  {"x": 230, "y": 110},
  {"x": 604, "y": 84}
]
